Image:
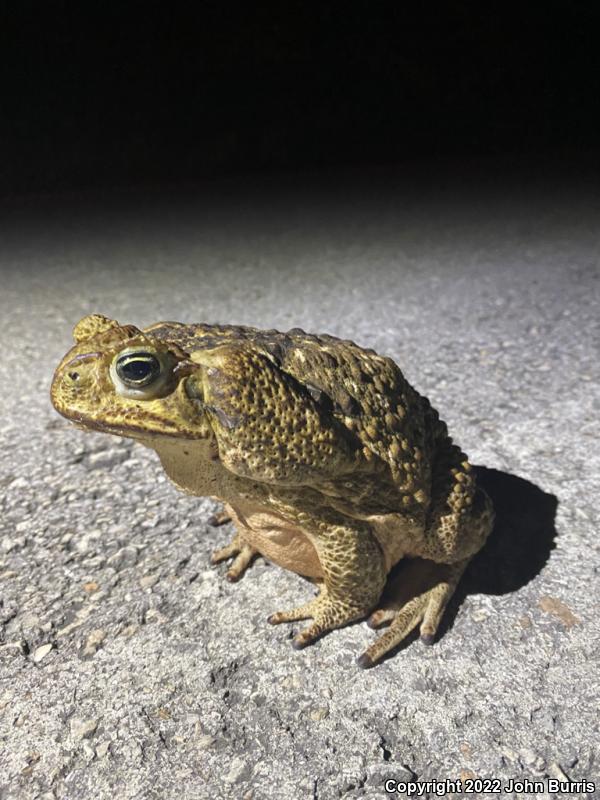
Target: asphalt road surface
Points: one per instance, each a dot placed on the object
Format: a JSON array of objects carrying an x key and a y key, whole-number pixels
[{"x": 129, "y": 668}]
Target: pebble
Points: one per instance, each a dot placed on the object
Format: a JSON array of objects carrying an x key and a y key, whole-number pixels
[
  {"x": 530, "y": 758},
  {"x": 102, "y": 749},
  {"x": 129, "y": 630},
  {"x": 239, "y": 771},
  {"x": 41, "y": 652},
  {"x": 509, "y": 754},
  {"x": 30, "y": 621},
  {"x": 150, "y": 523},
  {"x": 125, "y": 557},
  {"x": 154, "y": 615},
  {"x": 83, "y": 728},
  {"x": 291, "y": 682},
  {"x": 148, "y": 581},
  {"x": 106, "y": 458},
  {"x": 8, "y": 544},
  {"x": 87, "y": 541},
  {"x": 93, "y": 642},
  {"x": 205, "y": 741},
  {"x": 88, "y": 751}
]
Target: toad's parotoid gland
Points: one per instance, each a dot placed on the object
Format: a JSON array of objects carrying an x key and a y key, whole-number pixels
[{"x": 328, "y": 461}]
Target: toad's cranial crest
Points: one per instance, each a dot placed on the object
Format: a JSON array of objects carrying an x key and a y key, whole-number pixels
[{"x": 328, "y": 461}]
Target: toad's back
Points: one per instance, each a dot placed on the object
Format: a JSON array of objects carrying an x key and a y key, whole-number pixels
[{"x": 366, "y": 392}]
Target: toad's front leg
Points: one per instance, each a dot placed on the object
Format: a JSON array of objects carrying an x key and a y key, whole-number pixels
[
  {"x": 241, "y": 551},
  {"x": 354, "y": 576}
]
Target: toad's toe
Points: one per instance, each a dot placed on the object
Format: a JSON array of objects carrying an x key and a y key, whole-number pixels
[{"x": 243, "y": 555}]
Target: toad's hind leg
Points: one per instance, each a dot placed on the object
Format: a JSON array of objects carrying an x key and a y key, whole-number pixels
[
  {"x": 353, "y": 579},
  {"x": 418, "y": 593},
  {"x": 461, "y": 520}
]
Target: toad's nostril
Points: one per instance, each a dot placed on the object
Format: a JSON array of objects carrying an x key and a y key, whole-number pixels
[{"x": 74, "y": 376}]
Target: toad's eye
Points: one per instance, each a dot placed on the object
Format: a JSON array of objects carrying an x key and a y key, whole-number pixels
[{"x": 137, "y": 369}]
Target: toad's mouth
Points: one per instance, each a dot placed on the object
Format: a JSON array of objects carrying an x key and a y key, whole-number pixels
[{"x": 164, "y": 427}]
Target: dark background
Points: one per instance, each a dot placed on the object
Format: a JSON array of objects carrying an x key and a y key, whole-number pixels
[{"x": 112, "y": 94}]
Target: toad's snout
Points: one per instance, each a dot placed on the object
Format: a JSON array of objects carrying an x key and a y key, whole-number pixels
[{"x": 72, "y": 378}]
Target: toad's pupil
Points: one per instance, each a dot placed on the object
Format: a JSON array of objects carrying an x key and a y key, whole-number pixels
[{"x": 138, "y": 369}]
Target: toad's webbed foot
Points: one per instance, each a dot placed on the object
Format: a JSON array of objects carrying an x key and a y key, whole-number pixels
[
  {"x": 418, "y": 593},
  {"x": 326, "y": 612},
  {"x": 242, "y": 553}
]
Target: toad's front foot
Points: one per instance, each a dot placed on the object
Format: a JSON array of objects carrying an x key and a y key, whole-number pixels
[
  {"x": 327, "y": 613},
  {"x": 241, "y": 552},
  {"x": 419, "y": 593}
]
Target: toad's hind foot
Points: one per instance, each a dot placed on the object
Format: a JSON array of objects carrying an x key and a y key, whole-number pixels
[
  {"x": 241, "y": 552},
  {"x": 418, "y": 593},
  {"x": 326, "y": 612},
  {"x": 219, "y": 518}
]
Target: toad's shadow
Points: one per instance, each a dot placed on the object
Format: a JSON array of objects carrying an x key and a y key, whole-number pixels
[
  {"x": 523, "y": 535},
  {"x": 516, "y": 550}
]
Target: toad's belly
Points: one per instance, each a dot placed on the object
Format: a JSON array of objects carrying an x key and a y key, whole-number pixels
[{"x": 278, "y": 540}]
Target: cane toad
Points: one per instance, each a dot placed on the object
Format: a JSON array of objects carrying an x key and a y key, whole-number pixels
[{"x": 329, "y": 463}]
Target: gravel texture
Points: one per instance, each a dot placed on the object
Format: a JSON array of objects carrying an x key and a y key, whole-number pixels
[{"x": 129, "y": 668}]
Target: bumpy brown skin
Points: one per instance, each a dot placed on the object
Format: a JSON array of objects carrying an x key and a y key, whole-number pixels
[{"x": 328, "y": 461}]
